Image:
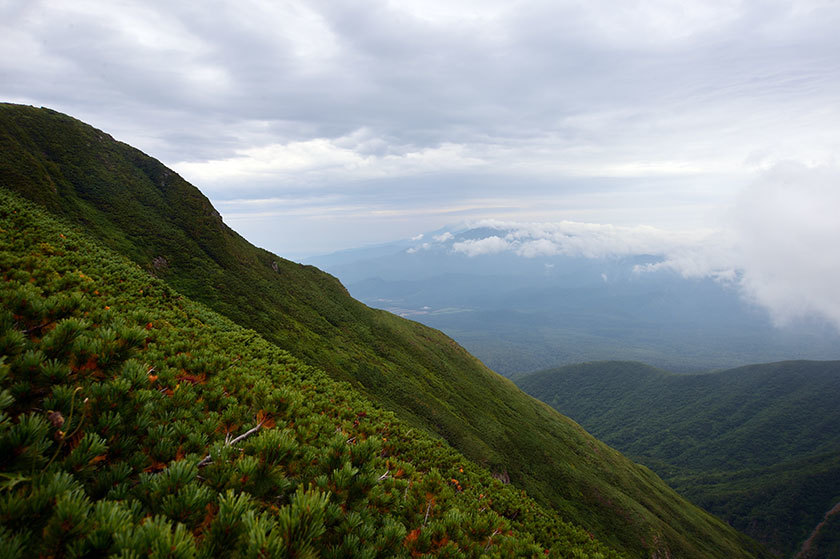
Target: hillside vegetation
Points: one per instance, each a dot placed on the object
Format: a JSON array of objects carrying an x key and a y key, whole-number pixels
[
  {"x": 135, "y": 205},
  {"x": 136, "y": 422},
  {"x": 759, "y": 446}
]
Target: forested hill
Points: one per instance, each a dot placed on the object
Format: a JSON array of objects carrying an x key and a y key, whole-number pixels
[
  {"x": 134, "y": 204},
  {"x": 757, "y": 445},
  {"x": 137, "y": 423}
]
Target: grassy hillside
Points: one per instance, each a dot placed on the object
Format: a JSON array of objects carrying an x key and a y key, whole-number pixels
[
  {"x": 135, "y": 422},
  {"x": 759, "y": 445},
  {"x": 137, "y": 206}
]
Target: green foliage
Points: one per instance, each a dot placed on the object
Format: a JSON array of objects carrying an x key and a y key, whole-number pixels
[
  {"x": 137, "y": 423},
  {"x": 757, "y": 445}
]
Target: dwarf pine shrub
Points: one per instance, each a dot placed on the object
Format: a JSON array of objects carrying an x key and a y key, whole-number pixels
[{"x": 134, "y": 423}]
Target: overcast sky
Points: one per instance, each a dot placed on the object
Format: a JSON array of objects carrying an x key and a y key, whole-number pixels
[{"x": 319, "y": 125}]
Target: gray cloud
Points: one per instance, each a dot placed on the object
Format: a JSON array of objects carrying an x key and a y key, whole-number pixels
[
  {"x": 346, "y": 123},
  {"x": 495, "y": 71}
]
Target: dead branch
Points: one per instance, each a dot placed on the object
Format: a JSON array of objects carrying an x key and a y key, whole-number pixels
[{"x": 230, "y": 442}]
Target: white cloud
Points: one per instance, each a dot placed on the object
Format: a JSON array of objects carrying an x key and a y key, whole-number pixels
[
  {"x": 787, "y": 226},
  {"x": 477, "y": 247},
  {"x": 320, "y": 160},
  {"x": 780, "y": 246},
  {"x": 539, "y": 247},
  {"x": 443, "y": 237},
  {"x": 591, "y": 240},
  {"x": 418, "y": 248}
]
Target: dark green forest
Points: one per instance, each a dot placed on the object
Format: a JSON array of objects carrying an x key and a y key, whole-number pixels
[{"x": 758, "y": 446}]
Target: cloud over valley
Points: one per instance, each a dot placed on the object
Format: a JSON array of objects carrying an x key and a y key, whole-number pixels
[{"x": 777, "y": 243}]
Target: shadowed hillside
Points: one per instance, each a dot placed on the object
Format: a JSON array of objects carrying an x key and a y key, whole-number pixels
[{"x": 758, "y": 445}]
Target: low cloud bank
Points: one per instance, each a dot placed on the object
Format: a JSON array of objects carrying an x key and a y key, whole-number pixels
[
  {"x": 780, "y": 244},
  {"x": 787, "y": 229},
  {"x": 570, "y": 238}
]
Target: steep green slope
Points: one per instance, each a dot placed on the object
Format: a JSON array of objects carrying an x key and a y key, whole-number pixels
[
  {"x": 134, "y": 422},
  {"x": 134, "y": 204},
  {"x": 757, "y": 445}
]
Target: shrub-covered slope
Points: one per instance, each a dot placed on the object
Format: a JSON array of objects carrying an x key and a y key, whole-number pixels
[
  {"x": 135, "y": 422},
  {"x": 757, "y": 445},
  {"x": 134, "y": 204}
]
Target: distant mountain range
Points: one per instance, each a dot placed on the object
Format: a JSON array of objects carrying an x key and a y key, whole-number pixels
[
  {"x": 520, "y": 311},
  {"x": 757, "y": 445}
]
